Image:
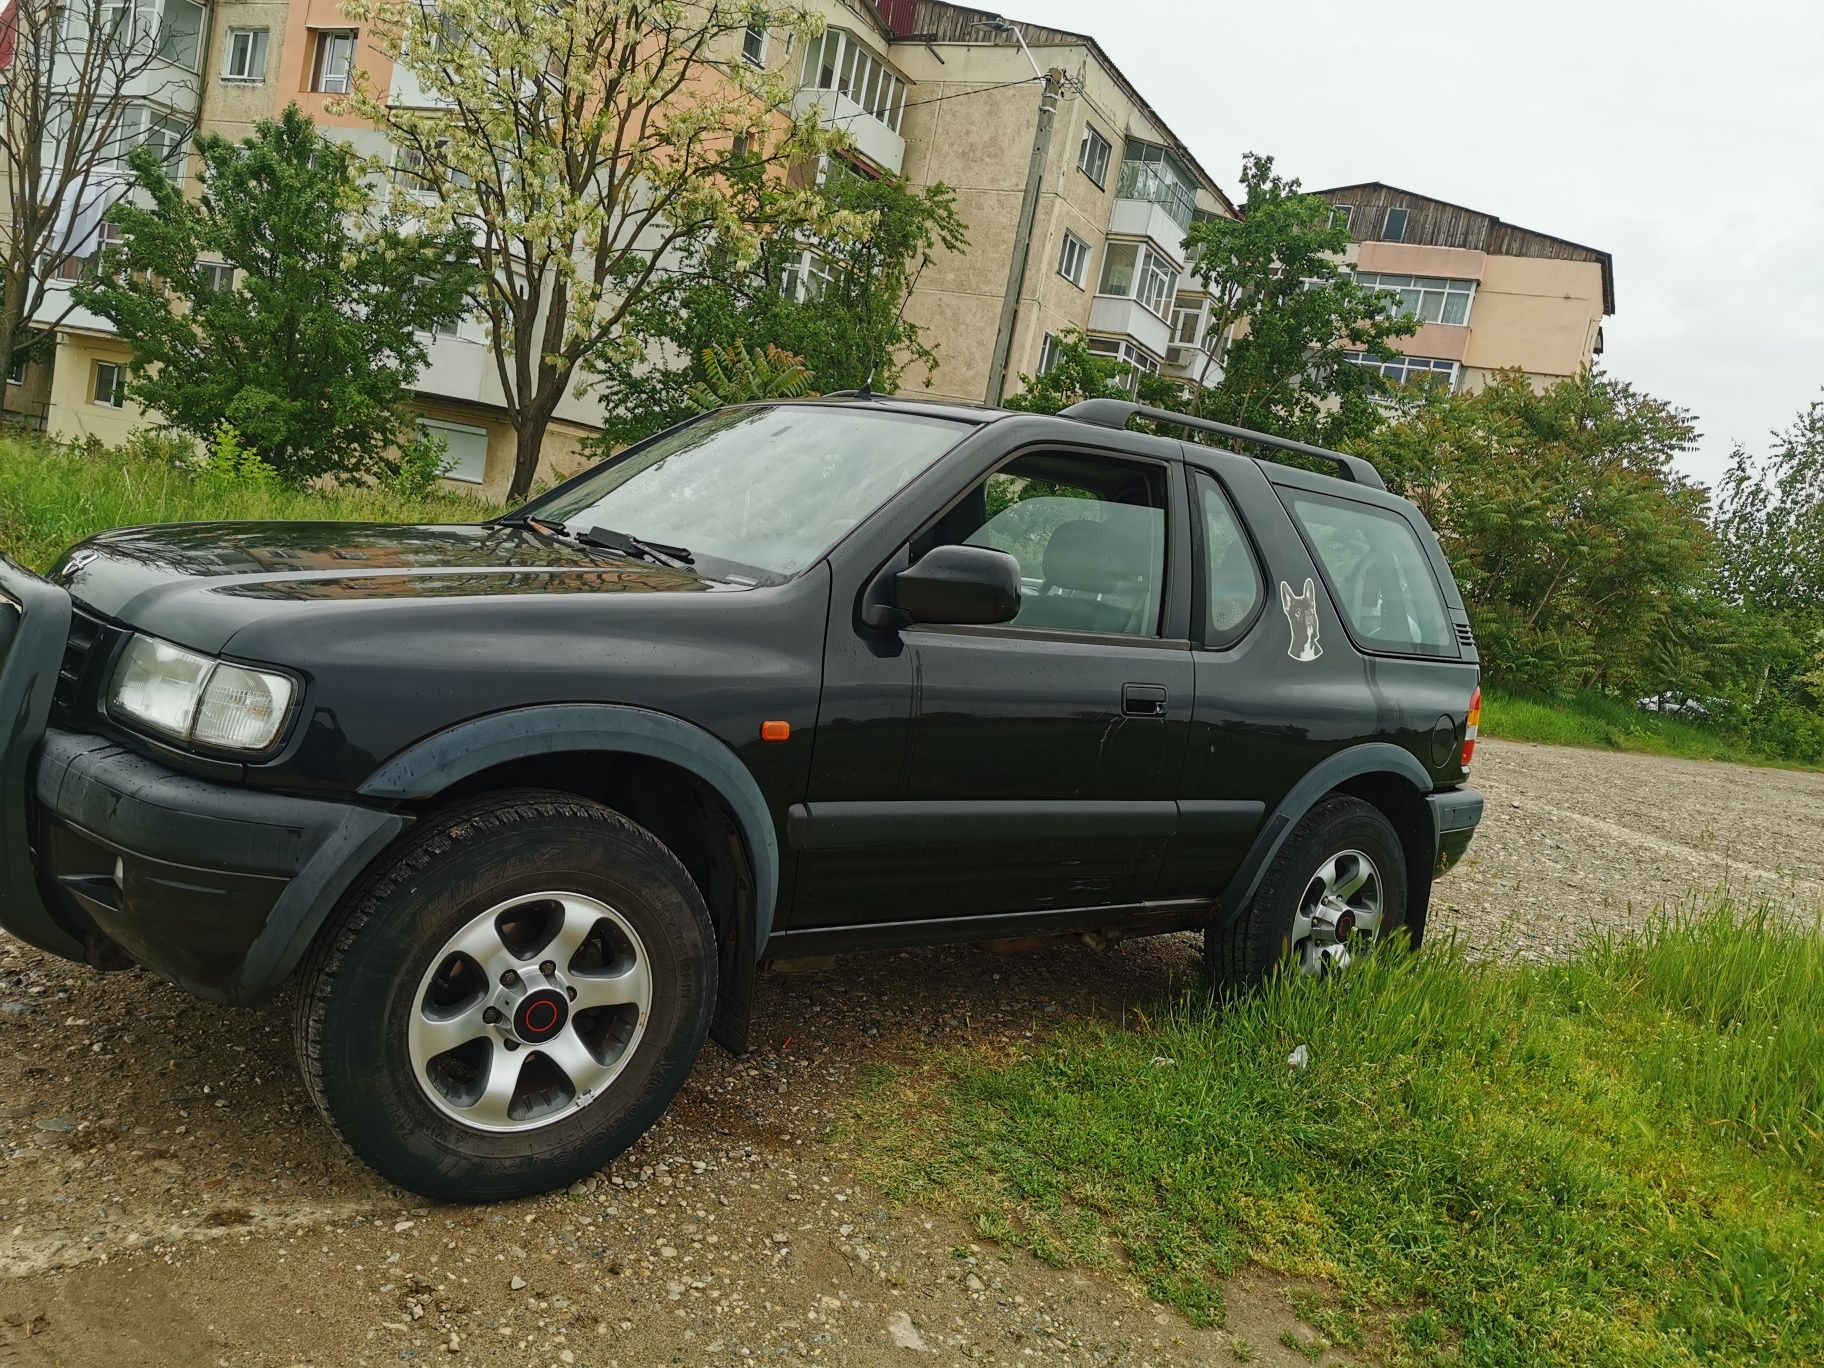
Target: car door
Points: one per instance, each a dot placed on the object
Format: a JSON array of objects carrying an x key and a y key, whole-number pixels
[{"x": 1031, "y": 766}]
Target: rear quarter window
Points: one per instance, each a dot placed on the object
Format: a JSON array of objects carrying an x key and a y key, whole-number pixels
[{"x": 1378, "y": 573}]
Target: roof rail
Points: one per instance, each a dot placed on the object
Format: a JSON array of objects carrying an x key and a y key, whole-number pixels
[{"x": 1118, "y": 413}]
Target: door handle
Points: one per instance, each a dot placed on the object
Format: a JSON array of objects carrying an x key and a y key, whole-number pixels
[{"x": 1144, "y": 700}]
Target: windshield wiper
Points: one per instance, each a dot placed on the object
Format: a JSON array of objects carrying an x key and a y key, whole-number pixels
[{"x": 610, "y": 540}]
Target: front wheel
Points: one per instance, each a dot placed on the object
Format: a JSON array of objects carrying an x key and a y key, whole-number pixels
[
  {"x": 1336, "y": 888},
  {"x": 511, "y": 999}
]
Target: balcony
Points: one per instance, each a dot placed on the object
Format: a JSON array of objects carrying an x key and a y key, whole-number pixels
[
  {"x": 1114, "y": 316},
  {"x": 1192, "y": 364},
  {"x": 1150, "y": 220},
  {"x": 1157, "y": 182},
  {"x": 872, "y": 138}
]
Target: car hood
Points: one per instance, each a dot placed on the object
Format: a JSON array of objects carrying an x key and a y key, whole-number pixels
[{"x": 198, "y": 583}]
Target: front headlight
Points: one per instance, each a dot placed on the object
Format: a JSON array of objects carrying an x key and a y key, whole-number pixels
[{"x": 195, "y": 698}]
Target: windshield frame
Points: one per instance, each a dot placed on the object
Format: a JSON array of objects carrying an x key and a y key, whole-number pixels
[{"x": 708, "y": 563}]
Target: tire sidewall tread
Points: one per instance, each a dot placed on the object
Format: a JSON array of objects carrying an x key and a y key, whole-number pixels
[{"x": 354, "y": 964}]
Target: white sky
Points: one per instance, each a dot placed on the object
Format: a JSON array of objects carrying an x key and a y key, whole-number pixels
[{"x": 1686, "y": 137}]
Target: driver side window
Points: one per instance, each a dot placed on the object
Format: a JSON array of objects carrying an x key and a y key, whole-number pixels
[{"x": 1089, "y": 536}]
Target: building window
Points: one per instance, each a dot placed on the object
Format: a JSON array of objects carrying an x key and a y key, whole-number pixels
[
  {"x": 753, "y": 45},
  {"x": 245, "y": 59},
  {"x": 1073, "y": 259},
  {"x": 1410, "y": 370},
  {"x": 333, "y": 61},
  {"x": 215, "y": 275},
  {"x": 1128, "y": 354},
  {"x": 1341, "y": 214},
  {"x": 807, "y": 276},
  {"x": 1394, "y": 228},
  {"x": 1153, "y": 173},
  {"x": 839, "y": 62},
  {"x": 1051, "y": 352},
  {"x": 16, "y": 374},
  {"x": 466, "y": 452},
  {"x": 164, "y": 134},
  {"x": 1092, "y": 157},
  {"x": 180, "y": 33},
  {"x": 110, "y": 390},
  {"x": 1187, "y": 324},
  {"x": 1430, "y": 299},
  {"x": 1133, "y": 270}
]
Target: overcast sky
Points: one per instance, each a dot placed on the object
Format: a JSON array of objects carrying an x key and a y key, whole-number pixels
[{"x": 1686, "y": 138}]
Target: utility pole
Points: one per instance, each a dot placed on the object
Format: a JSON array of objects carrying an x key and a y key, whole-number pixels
[{"x": 1022, "y": 240}]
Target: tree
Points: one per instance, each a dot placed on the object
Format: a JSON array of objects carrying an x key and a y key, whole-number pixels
[
  {"x": 838, "y": 305},
  {"x": 1290, "y": 310},
  {"x": 80, "y": 81},
  {"x": 308, "y": 347},
  {"x": 582, "y": 144},
  {"x": 1076, "y": 373},
  {"x": 737, "y": 375},
  {"x": 1770, "y": 575},
  {"x": 1578, "y": 548}
]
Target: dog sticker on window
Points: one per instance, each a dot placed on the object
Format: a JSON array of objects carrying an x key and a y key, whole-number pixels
[{"x": 1301, "y": 615}]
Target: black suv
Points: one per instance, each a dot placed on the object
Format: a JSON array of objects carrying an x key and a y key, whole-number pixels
[{"x": 519, "y": 808}]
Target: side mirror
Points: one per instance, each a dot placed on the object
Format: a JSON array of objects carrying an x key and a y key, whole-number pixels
[{"x": 960, "y": 585}]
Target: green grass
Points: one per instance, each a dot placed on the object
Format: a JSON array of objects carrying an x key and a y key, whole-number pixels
[
  {"x": 1603, "y": 723},
  {"x": 51, "y": 498},
  {"x": 1614, "y": 1160}
]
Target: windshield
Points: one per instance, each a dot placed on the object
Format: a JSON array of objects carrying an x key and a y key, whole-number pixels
[{"x": 765, "y": 491}]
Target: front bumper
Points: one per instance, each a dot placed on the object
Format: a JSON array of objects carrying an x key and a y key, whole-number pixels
[
  {"x": 1455, "y": 815},
  {"x": 218, "y": 887}
]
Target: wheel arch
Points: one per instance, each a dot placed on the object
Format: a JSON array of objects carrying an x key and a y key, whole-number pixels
[
  {"x": 1378, "y": 773},
  {"x": 676, "y": 780}
]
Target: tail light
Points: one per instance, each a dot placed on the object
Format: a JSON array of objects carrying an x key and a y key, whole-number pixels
[{"x": 1475, "y": 723}]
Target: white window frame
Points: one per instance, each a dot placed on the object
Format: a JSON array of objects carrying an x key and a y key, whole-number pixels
[
  {"x": 807, "y": 276},
  {"x": 253, "y": 54},
  {"x": 1050, "y": 353},
  {"x": 16, "y": 376},
  {"x": 1130, "y": 353},
  {"x": 1403, "y": 370},
  {"x": 1094, "y": 150},
  {"x": 215, "y": 270},
  {"x": 162, "y": 28},
  {"x": 117, "y": 391},
  {"x": 1387, "y": 223},
  {"x": 1347, "y": 211},
  {"x": 1073, "y": 259},
  {"x": 1155, "y": 278},
  {"x": 1419, "y": 294},
  {"x": 442, "y": 427},
  {"x": 1195, "y": 313},
  {"x": 320, "y": 76},
  {"x": 840, "y": 62},
  {"x": 753, "y": 45}
]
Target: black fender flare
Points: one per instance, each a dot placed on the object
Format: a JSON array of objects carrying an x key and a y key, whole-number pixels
[
  {"x": 432, "y": 765},
  {"x": 1376, "y": 757}
]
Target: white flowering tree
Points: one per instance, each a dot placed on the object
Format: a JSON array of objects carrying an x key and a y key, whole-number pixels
[{"x": 581, "y": 143}]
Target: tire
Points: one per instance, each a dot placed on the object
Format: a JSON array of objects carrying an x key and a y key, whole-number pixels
[
  {"x": 1276, "y": 929},
  {"x": 399, "y": 974}
]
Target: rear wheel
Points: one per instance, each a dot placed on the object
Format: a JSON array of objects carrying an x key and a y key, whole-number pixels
[
  {"x": 1336, "y": 888},
  {"x": 510, "y": 1000}
]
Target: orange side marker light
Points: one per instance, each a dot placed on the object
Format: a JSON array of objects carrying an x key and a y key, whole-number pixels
[{"x": 775, "y": 731}]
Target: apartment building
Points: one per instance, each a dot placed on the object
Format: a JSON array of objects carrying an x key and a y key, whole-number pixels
[
  {"x": 936, "y": 91},
  {"x": 1491, "y": 295},
  {"x": 1117, "y": 192}
]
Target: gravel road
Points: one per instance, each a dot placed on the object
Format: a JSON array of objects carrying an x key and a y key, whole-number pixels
[{"x": 167, "y": 1196}]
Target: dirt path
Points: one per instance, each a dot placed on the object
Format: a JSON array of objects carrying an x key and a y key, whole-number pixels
[{"x": 167, "y": 1197}]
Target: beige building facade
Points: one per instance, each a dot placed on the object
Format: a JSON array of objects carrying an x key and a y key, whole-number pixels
[{"x": 1492, "y": 296}]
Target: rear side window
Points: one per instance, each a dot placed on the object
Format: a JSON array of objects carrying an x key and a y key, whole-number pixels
[
  {"x": 1378, "y": 573},
  {"x": 1232, "y": 588}
]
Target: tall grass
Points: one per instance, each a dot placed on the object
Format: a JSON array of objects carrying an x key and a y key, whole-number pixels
[
  {"x": 1615, "y": 1160},
  {"x": 1600, "y": 722},
  {"x": 51, "y": 497}
]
